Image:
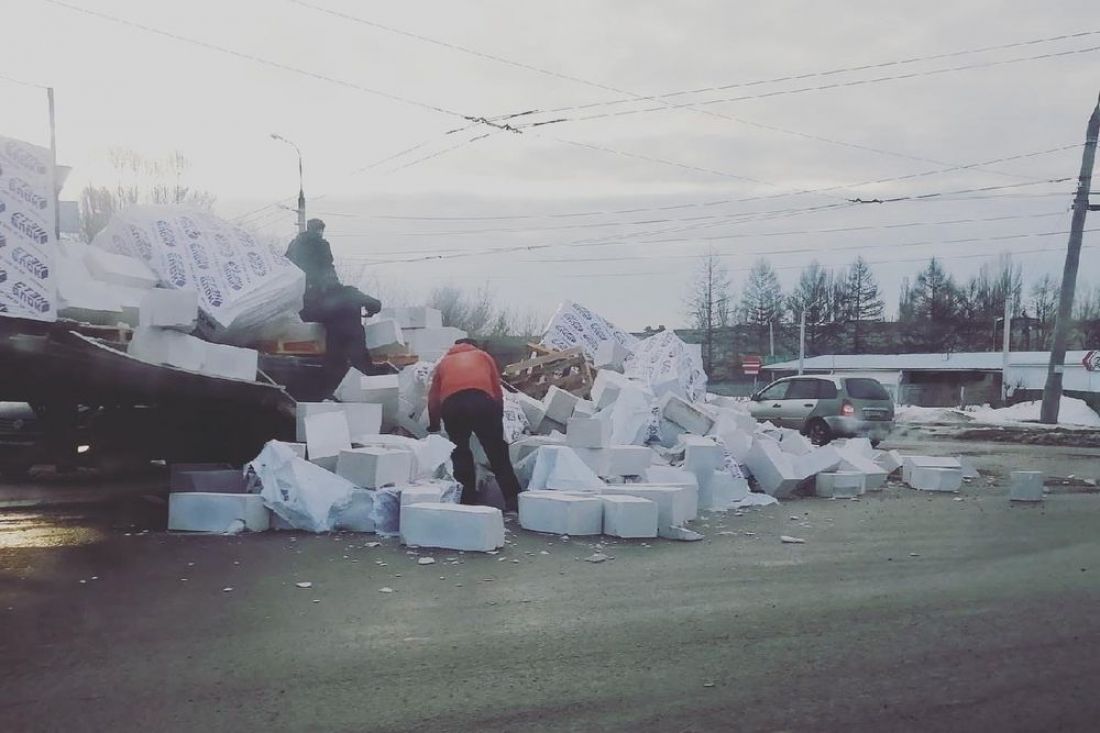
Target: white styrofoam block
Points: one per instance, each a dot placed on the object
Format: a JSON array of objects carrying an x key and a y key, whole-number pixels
[
  {"x": 116, "y": 269},
  {"x": 606, "y": 387},
  {"x": 326, "y": 436},
  {"x": 423, "y": 494},
  {"x": 738, "y": 443},
  {"x": 384, "y": 390},
  {"x": 677, "y": 410},
  {"x": 230, "y": 362},
  {"x": 83, "y": 298},
  {"x": 298, "y": 448},
  {"x": 839, "y": 484},
  {"x": 588, "y": 432},
  {"x": 724, "y": 490},
  {"x": 212, "y": 480},
  {"x": 617, "y": 460},
  {"x": 559, "y": 404},
  {"x": 968, "y": 468},
  {"x": 629, "y": 517},
  {"x": 874, "y": 476},
  {"x": 199, "y": 511},
  {"x": 629, "y": 460},
  {"x": 822, "y": 458},
  {"x": 414, "y": 317},
  {"x": 597, "y": 459},
  {"x": 889, "y": 461},
  {"x": 162, "y": 346},
  {"x": 453, "y": 527},
  {"x": 357, "y": 515},
  {"x": 533, "y": 409},
  {"x": 795, "y": 443},
  {"x": 673, "y": 502},
  {"x": 528, "y": 444},
  {"x": 364, "y": 418},
  {"x": 350, "y": 388},
  {"x": 384, "y": 336},
  {"x": 702, "y": 454},
  {"x": 584, "y": 408},
  {"x": 858, "y": 447},
  {"x": 772, "y": 469},
  {"x": 911, "y": 462},
  {"x": 932, "y": 478},
  {"x": 164, "y": 308},
  {"x": 305, "y": 409},
  {"x": 560, "y": 513},
  {"x": 431, "y": 343},
  {"x": 1026, "y": 486},
  {"x": 373, "y": 467},
  {"x": 671, "y": 476},
  {"x": 610, "y": 354}
]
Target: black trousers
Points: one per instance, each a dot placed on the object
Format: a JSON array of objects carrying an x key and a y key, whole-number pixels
[
  {"x": 340, "y": 309},
  {"x": 472, "y": 411}
]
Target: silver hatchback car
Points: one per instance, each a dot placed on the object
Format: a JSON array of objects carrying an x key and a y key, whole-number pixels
[{"x": 827, "y": 407}]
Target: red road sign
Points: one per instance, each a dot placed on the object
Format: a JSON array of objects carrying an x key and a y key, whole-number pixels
[
  {"x": 751, "y": 364},
  {"x": 1091, "y": 361}
]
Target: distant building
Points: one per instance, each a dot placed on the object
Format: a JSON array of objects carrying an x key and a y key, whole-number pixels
[{"x": 949, "y": 380}]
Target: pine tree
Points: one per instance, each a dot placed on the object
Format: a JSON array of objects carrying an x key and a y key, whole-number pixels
[
  {"x": 762, "y": 299},
  {"x": 862, "y": 299}
]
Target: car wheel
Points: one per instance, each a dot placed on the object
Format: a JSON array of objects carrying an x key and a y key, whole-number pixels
[{"x": 819, "y": 433}]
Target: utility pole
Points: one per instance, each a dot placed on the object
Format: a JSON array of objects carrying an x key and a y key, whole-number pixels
[
  {"x": 54, "y": 192},
  {"x": 801, "y": 341},
  {"x": 301, "y": 183},
  {"x": 771, "y": 337},
  {"x": 1007, "y": 344},
  {"x": 1052, "y": 392}
]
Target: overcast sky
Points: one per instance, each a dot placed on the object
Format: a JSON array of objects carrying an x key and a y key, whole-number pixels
[{"x": 641, "y": 192}]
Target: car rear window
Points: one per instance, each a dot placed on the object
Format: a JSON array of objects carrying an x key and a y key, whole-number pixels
[
  {"x": 811, "y": 389},
  {"x": 866, "y": 389}
]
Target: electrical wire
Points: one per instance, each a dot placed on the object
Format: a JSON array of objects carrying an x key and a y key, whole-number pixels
[
  {"x": 640, "y": 97},
  {"x": 277, "y": 64},
  {"x": 824, "y": 87}
]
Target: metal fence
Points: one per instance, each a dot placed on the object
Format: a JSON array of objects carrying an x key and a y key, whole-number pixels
[{"x": 947, "y": 395}]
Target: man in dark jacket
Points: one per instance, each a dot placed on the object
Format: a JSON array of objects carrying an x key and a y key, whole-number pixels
[
  {"x": 466, "y": 393},
  {"x": 338, "y": 307}
]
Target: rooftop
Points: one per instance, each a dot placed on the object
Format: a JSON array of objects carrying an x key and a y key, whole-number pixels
[{"x": 960, "y": 361}]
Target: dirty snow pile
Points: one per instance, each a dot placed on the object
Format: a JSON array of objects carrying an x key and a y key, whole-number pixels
[
  {"x": 1071, "y": 411},
  {"x": 640, "y": 454}
]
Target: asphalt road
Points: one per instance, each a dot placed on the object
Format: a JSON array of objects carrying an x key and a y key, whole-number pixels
[{"x": 902, "y": 611}]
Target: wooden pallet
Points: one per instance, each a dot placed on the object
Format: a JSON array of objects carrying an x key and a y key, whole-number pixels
[{"x": 568, "y": 370}]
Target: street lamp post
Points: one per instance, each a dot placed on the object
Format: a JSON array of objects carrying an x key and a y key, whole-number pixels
[{"x": 301, "y": 182}]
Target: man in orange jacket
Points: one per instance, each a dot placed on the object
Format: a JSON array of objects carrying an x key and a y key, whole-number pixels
[{"x": 466, "y": 393}]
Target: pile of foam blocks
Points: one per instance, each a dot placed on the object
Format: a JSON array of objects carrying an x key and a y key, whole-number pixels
[{"x": 632, "y": 458}]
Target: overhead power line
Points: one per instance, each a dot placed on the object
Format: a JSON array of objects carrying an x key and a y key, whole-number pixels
[
  {"x": 829, "y": 72},
  {"x": 747, "y": 199},
  {"x": 640, "y": 97},
  {"x": 824, "y": 87},
  {"x": 808, "y": 250},
  {"x": 280, "y": 65},
  {"x": 633, "y": 97}
]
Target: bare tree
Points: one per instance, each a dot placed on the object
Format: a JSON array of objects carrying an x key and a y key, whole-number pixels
[
  {"x": 475, "y": 313},
  {"x": 708, "y": 302},
  {"x": 139, "y": 180},
  {"x": 812, "y": 296}
]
